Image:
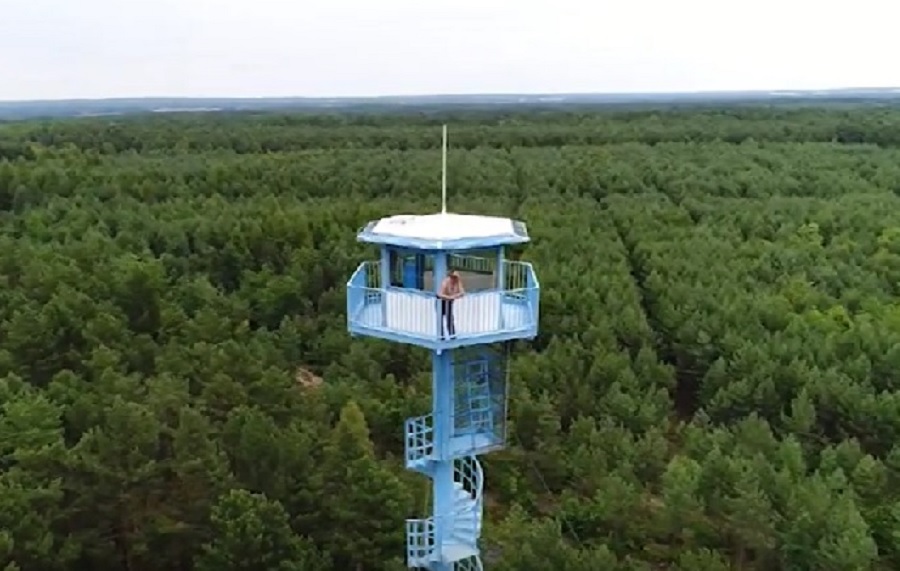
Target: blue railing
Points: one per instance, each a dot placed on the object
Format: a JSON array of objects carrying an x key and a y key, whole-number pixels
[
  {"x": 364, "y": 288},
  {"x": 467, "y": 471},
  {"x": 420, "y": 541},
  {"x": 532, "y": 289},
  {"x": 512, "y": 309},
  {"x": 419, "y": 444}
]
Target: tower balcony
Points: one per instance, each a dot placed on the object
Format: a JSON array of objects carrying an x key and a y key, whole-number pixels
[{"x": 509, "y": 310}]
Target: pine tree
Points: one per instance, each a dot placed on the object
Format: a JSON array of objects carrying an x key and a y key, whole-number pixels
[
  {"x": 251, "y": 533},
  {"x": 363, "y": 500}
]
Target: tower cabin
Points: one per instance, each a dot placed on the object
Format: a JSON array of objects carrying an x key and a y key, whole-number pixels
[{"x": 396, "y": 296}]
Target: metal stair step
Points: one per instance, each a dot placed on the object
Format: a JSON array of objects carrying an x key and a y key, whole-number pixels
[
  {"x": 470, "y": 539},
  {"x": 467, "y": 521},
  {"x": 453, "y": 552},
  {"x": 465, "y": 535}
]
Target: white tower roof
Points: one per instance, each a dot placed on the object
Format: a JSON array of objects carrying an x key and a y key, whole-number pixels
[{"x": 445, "y": 230}]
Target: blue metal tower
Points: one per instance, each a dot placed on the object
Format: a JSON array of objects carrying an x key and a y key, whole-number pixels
[{"x": 395, "y": 298}]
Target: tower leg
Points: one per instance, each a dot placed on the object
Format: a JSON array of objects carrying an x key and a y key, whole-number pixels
[{"x": 442, "y": 395}]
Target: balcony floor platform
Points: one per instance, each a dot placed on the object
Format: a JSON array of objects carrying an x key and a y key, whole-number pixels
[{"x": 412, "y": 317}]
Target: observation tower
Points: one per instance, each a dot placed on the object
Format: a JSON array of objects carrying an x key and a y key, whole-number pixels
[{"x": 396, "y": 298}]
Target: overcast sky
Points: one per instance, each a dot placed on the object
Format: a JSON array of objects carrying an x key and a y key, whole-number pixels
[{"x": 114, "y": 48}]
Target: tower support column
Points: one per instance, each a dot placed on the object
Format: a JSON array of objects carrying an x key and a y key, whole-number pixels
[{"x": 442, "y": 406}]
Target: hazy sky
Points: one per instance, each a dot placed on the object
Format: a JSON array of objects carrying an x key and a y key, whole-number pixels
[{"x": 113, "y": 48}]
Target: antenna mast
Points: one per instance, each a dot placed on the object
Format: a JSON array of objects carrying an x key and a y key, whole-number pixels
[{"x": 444, "y": 174}]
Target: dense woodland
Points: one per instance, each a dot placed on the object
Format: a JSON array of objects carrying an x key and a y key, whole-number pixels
[{"x": 716, "y": 384}]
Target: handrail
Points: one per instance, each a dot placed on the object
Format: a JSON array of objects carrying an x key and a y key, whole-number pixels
[
  {"x": 419, "y": 442},
  {"x": 420, "y": 539},
  {"x": 532, "y": 275},
  {"x": 472, "y": 264},
  {"x": 358, "y": 278},
  {"x": 518, "y": 276},
  {"x": 479, "y": 478},
  {"x": 469, "y": 474},
  {"x": 468, "y": 469},
  {"x": 510, "y": 306},
  {"x": 480, "y": 472}
]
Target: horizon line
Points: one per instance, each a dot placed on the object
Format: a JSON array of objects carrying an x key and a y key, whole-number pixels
[{"x": 453, "y": 94}]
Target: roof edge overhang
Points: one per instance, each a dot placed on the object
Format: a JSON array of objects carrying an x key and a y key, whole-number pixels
[
  {"x": 455, "y": 244},
  {"x": 520, "y": 236}
]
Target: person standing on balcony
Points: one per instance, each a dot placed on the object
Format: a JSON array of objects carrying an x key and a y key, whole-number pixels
[{"x": 451, "y": 289}]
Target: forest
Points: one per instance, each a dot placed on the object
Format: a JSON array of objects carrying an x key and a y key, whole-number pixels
[{"x": 715, "y": 385}]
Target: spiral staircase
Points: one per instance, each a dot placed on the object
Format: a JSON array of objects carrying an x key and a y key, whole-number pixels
[
  {"x": 460, "y": 544},
  {"x": 477, "y": 425}
]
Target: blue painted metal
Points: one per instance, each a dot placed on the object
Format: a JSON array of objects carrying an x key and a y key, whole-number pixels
[
  {"x": 413, "y": 271},
  {"x": 469, "y": 391},
  {"x": 412, "y": 316}
]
